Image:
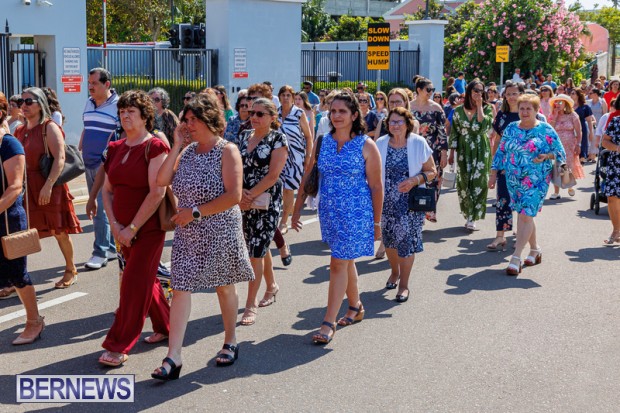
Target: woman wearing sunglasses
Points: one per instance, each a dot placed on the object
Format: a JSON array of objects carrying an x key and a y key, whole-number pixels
[
  {"x": 264, "y": 152},
  {"x": 223, "y": 102},
  {"x": 16, "y": 117},
  {"x": 471, "y": 124},
  {"x": 189, "y": 95},
  {"x": 432, "y": 120},
  {"x": 51, "y": 206},
  {"x": 380, "y": 106},
  {"x": 165, "y": 120},
  {"x": 231, "y": 134}
]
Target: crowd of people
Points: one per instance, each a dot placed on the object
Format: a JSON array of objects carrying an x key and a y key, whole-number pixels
[{"x": 240, "y": 179}]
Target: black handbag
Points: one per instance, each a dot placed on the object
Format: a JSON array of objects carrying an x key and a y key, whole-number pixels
[
  {"x": 74, "y": 163},
  {"x": 311, "y": 186},
  {"x": 422, "y": 199}
]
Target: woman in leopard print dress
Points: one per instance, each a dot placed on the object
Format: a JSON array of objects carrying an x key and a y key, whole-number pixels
[{"x": 208, "y": 250}]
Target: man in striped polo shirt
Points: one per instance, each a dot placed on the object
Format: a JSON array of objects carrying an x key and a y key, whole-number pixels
[{"x": 100, "y": 120}]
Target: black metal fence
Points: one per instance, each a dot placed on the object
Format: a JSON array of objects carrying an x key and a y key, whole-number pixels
[
  {"x": 339, "y": 68},
  {"x": 175, "y": 70},
  {"x": 21, "y": 68}
]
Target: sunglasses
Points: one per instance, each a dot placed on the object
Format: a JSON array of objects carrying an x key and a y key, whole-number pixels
[
  {"x": 252, "y": 98},
  {"x": 397, "y": 122},
  {"x": 187, "y": 97},
  {"x": 27, "y": 101},
  {"x": 378, "y": 98},
  {"x": 156, "y": 100},
  {"x": 430, "y": 89},
  {"x": 258, "y": 113},
  {"x": 16, "y": 104},
  {"x": 363, "y": 100},
  {"x": 360, "y": 88},
  {"x": 243, "y": 106},
  {"x": 478, "y": 90}
]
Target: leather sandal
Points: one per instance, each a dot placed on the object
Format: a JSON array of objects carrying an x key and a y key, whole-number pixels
[
  {"x": 613, "y": 239},
  {"x": 514, "y": 269},
  {"x": 266, "y": 302},
  {"x": 532, "y": 260},
  {"x": 359, "y": 316},
  {"x": 320, "y": 338},
  {"x": 109, "y": 358},
  {"x": 498, "y": 244},
  {"x": 62, "y": 284},
  {"x": 162, "y": 374},
  {"x": 229, "y": 359},
  {"x": 155, "y": 338},
  {"x": 249, "y": 316}
]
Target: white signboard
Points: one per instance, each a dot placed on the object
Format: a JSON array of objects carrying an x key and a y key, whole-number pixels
[
  {"x": 72, "y": 60},
  {"x": 241, "y": 63}
]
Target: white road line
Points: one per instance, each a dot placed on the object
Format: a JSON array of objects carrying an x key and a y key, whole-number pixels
[{"x": 47, "y": 304}]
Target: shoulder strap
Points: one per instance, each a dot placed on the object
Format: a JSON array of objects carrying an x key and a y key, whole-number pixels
[
  {"x": 6, "y": 214},
  {"x": 148, "y": 148},
  {"x": 319, "y": 141},
  {"x": 47, "y": 151}
]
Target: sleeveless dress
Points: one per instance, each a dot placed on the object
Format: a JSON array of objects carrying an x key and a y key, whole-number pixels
[
  {"x": 259, "y": 226},
  {"x": 345, "y": 204},
  {"x": 211, "y": 251},
  {"x": 294, "y": 168},
  {"x": 12, "y": 272},
  {"x": 566, "y": 131},
  {"x": 401, "y": 228},
  {"x": 612, "y": 186},
  {"x": 58, "y": 215}
]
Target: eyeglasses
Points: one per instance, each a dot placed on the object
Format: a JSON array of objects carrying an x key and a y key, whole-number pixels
[
  {"x": 360, "y": 88},
  {"x": 243, "y": 106},
  {"x": 252, "y": 98},
  {"x": 397, "y": 122},
  {"x": 29, "y": 101},
  {"x": 187, "y": 97},
  {"x": 430, "y": 89},
  {"x": 259, "y": 114},
  {"x": 477, "y": 90},
  {"x": 156, "y": 99},
  {"x": 363, "y": 101},
  {"x": 378, "y": 98}
]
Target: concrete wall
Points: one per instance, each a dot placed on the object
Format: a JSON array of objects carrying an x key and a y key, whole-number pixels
[
  {"x": 268, "y": 30},
  {"x": 54, "y": 28}
]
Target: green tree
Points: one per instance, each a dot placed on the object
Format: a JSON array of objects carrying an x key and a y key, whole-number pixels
[
  {"x": 435, "y": 12},
  {"x": 315, "y": 22},
  {"x": 351, "y": 28}
]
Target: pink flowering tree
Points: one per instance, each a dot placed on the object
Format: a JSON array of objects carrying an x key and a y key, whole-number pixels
[{"x": 540, "y": 33}]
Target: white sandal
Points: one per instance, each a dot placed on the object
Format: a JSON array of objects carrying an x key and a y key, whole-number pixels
[
  {"x": 531, "y": 260},
  {"x": 514, "y": 269}
]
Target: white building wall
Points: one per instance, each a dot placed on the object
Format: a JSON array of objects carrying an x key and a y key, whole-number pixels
[{"x": 54, "y": 28}]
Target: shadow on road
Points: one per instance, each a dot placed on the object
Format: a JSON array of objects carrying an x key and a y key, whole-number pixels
[
  {"x": 486, "y": 280},
  {"x": 592, "y": 254}
]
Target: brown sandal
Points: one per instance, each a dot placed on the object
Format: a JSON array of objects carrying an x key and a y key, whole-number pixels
[{"x": 249, "y": 316}]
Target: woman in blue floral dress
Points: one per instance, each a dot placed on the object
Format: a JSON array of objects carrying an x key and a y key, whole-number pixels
[
  {"x": 350, "y": 207},
  {"x": 525, "y": 153},
  {"x": 611, "y": 142}
]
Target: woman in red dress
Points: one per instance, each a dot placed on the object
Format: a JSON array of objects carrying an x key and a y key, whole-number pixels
[
  {"x": 51, "y": 206},
  {"x": 131, "y": 197}
]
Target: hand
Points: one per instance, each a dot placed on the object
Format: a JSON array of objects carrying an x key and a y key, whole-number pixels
[
  {"x": 377, "y": 233},
  {"x": 492, "y": 181},
  {"x": 540, "y": 158},
  {"x": 443, "y": 162},
  {"x": 181, "y": 135},
  {"x": 45, "y": 194},
  {"x": 296, "y": 223},
  {"x": 182, "y": 217},
  {"x": 91, "y": 208},
  {"x": 116, "y": 229},
  {"x": 408, "y": 184},
  {"x": 246, "y": 200},
  {"x": 477, "y": 97},
  {"x": 451, "y": 158},
  {"x": 125, "y": 237}
]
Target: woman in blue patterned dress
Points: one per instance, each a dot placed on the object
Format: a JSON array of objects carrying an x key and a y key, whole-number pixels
[
  {"x": 525, "y": 153},
  {"x": 407, "y": 161},
  {"x": 299, "y": 136},
  {"x": 611, "y": 142},
  {"x": 350, "y": 207}
]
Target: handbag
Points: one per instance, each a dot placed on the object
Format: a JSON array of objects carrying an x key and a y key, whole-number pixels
[
  {"x": 422, "y": 199},
  {"x": 168, "y": 206},
  {"x": 449, "y": 177},
  {"x": 562, "y": 176},
  {"x": 20, "y": 243},
  {"x": 261, "y": 202},
  {"x": 74, "y": 163},
  {"x": 311, "y": 186}
]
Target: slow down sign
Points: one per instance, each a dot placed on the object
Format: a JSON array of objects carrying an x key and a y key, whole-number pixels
[{"x": 378, "y": 49}]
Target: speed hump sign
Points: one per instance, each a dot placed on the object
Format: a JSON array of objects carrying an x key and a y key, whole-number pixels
[{"x": 502, "y": 54}]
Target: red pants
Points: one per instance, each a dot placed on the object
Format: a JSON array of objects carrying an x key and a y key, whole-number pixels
[{"x": 141, "y": 294}]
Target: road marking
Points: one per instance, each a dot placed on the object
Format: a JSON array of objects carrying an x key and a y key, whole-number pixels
[{"x": 42, "y": 306}]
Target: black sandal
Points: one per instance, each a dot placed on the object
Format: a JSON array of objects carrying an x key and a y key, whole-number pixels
[
  {"x": 319, "y": 338},
  {"x": 230, "y": 359},
  {"x": 289, "y": 258},
  {"x": 166, "y": 375}
]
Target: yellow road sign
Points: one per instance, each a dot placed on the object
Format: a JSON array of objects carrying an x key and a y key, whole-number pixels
[
  {"x": 502, "y": 54},
  {"x": 378, "y": 48}
]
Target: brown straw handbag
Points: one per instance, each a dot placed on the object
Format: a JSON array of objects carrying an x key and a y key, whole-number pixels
[{"x": 21, "y": 243}]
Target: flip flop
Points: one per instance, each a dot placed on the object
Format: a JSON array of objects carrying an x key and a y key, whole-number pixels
[{"x": 116, "y": 360}]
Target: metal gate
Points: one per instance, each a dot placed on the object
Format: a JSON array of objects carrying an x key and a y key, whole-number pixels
[{"x": 20, "y": 69}]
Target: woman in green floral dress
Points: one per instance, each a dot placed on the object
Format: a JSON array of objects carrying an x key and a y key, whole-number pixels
[{"x": 471, "y": 123}]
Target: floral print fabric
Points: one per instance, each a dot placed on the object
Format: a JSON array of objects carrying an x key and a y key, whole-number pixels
[
  {"x": 527, "y": 181},
  {"x": 612, "y": 184}
]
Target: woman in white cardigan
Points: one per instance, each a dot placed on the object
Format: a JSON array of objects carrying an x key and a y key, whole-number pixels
[{"x": 407, "y": 162}]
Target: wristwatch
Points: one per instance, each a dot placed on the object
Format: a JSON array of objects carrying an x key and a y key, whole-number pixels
[
  {"x": 196, "y": 213},
  {"x": 133, "y": 228}
]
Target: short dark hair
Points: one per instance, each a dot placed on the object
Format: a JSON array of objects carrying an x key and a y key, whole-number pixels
[
  {"x": 140, "y": 100},
  {"x": 308, "y": 83},
  {"x": 422, "y": 83},
  {"x": 104, "y": 75},
  {"x": 359, "y": 126},
  {"x": 409, "y": 121},
  {"x": 205, "y": 107},
  {"x": 460, "y": 74}
]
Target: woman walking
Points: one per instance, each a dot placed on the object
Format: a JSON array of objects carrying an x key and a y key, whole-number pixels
[
  {"x": 350, "y": 208},
  {"x": 469, "y": 137},
  {"x": 611, "y": 142},
  {"x": 208, "y": 250}
]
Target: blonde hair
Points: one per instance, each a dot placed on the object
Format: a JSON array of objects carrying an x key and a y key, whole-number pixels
[{"x": 533, "y": 100}]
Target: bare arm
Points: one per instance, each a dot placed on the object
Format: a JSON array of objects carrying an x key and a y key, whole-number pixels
[
  {"x": 81, "y": 140},
  {"x": 278, "y": 160},
  {"x": 577, "y": 128},
  {"x": 14, "y": 173},
  {"x": 375, "y": 182},
  {"x": 308, "y": 135},
  {"x": 56, "y": 146},
  {"x": 91, "y": 204},
  {"x": 608, "y": 144}
]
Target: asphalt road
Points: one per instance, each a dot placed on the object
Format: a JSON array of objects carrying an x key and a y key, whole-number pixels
[{"x": 470, "y": 339}]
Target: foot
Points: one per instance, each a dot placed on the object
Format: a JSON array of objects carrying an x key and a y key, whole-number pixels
[
  {"x": 391, "y": 282},
  {"x": 31, "y": 332},
  {"x": 169, "y": 370},
  {"x": 8, "y": 292},
  {"x": 471, "y": 225},
  {"x": 514, "y": 268},
  {"x": 113, "y": 359},
  {"x": 283, "y": 228},
  {"x": 249, "y": 316},
  {"x": 613, "y": 239},
  {"x": 269, "y": 297},
  {"x": 534, "y": 257},
  {"x": 285, "y": 255},
  {"x": 155, "y": 338},
  {"x": 555, "y": 195},
  {"x": 353, "y": 315},
  {"x": 497, "y": 244},
  {"x": 68, "y": 279},
  {"x": 227, "y": 355},
  {"x": 431, "y": 216},
  {"x": 571, "y": 191},
  {"x": 96, "y": 263},
  {"x": 325, "y": 333},
  {"x": 402, "y": 296}
]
